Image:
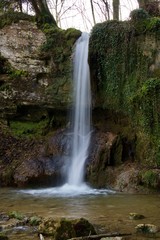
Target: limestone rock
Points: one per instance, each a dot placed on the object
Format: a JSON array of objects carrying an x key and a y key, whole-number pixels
[
  {"x": 20, "y": 44},
  {"x": 146, "y": 228}
]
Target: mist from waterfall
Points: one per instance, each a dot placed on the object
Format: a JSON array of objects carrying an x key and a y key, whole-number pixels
[{"x": 81, "y": 117}]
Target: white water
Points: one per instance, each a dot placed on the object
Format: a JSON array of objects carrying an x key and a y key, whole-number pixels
[{"x": 81, "y": 113}]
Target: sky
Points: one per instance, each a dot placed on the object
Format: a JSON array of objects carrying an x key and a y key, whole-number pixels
[{"x": 81, "y": 18}]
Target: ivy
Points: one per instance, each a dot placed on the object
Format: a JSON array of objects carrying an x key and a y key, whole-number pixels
[{"x": 122, "y": 57}]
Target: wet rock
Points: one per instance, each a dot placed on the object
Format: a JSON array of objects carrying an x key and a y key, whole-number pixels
[
  {"x": 60, "y": 229},
  {"x": 35, "y": 220},
  {"x": 146, "y": 228},
  {"x": 135, "y": 216},
  {"x": 83, "y": 227},
  {"x": 65, "y": 229},
  {"x": 127, "y": 179},
  {"x": 105, "y": 151},
  {"x": 4, "y": 217},
  {"x": 3, "y": 236},
  {"x": 11, "y": 223},
  {"x": 42, "y": 171}
]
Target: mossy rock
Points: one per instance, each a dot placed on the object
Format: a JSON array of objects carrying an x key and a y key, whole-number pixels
[
  {"x": 13, "y": 17},
  {"x": 35, "y": 220},
  {"x": 3, "y": 236},
  {"x": 64, "y": 229},
  {"x": 61, "y": 229},
  {"x": 83, "y": 227},
  {"x": 16, "y": 215},
  {"x": 28, "y": 128},
  {"x": 136, "y": 216},
  {"x": 146, "y": 228},
  {"x": 150, "y": 178}
]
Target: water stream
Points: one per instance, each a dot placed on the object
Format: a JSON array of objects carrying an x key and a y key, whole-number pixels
[
  {"x": 110, "y": 211},
  {"x": 81, "y": 112}
]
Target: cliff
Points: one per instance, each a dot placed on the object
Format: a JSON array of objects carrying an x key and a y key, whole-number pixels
[
  {"x": 35, "y": 70},
  {"x": 35, "y": 84}
]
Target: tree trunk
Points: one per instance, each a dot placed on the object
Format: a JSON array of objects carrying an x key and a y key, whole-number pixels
[
  {"x": 42, "y": 12},
  {"x": 93, "y": 15},
  {"x": 116, "y": 9}
]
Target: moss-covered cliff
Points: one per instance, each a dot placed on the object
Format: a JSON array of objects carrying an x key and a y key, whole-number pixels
[
  {"x": 35, "y": 84},
  {"x": 35, "y": 68},
  {"x": 125, "y": 71}
]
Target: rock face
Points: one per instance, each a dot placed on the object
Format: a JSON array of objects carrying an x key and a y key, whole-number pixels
[
  {"x": 35, "y": 84},
  {"x": 125, "y": 60},
  {"x": 34, "y": 78},
  {"x": 20, "y": 43}
]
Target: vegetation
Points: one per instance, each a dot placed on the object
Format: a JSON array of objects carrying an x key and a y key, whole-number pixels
[
  {"x": 16, "y": 215},
  {"x": 150, "y": 178},
  {"x": 40, "y": 7},
  {"x": 29, "y": 129},
  {"x": 128, "y": 78},
  {"x": 13, "y": 17}
]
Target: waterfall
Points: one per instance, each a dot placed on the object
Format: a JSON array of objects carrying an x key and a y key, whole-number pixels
[
  {"x": 81, "y": 111},
  {"x": 80, "y": 130}
]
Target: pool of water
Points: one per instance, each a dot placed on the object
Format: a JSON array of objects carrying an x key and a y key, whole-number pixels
[{"x": 108, "y": 209}]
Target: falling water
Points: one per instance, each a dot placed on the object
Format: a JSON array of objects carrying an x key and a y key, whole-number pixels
[
  {"x": 81, "y": 129},
  {"x": 81, "y": 112}
]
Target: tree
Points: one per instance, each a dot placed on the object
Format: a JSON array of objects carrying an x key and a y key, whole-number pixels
[
  {"x": 151, "y": 6},
  {"x": 116, "y": 4},
  {"x": 104, "y": 8},
  {"x": 61, "y": 9},
  {"x": 92, "y": 9},
  {"x": 42, "y": 11}
]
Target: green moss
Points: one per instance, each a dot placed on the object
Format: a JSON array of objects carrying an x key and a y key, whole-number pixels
[
  {"x": 7, "y": 176},
  {"x": 13, "y": 17},
  {"x": 15, "y": 73},
  {"x": 3, "y": 236},
  {"x": 83, "y": 227},
  {"x": 121, "y": 54},
  {"x": 35, "y": 220},
  {"x": 5, "y": 87},
  {"x": 16, "y": 215},
  {"x": 28, "y": 129},
  {"x": 59, "y": 42},
  {"x": 139, "y": 14},
  {"x": 150, "y": 178},
  {"x": 65, "y": 230}
]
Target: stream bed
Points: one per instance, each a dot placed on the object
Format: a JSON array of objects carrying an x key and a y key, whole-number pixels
[{"x": 108, "y": 210}]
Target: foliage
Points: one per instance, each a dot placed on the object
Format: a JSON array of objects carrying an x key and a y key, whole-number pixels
[
  {"x": 13, "y": 17},
  {"x": 139, "y": 14},
  {"x": 28, "y": 129},
  {"x": 16, "y": 215},
  {"x": 35, "y": 220},
  {"x": 59, "y": 44},
  {"x": 150, "y": 178},
  {"x": 121, "y": 54},
  {"x": 16, "y": 73}
]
